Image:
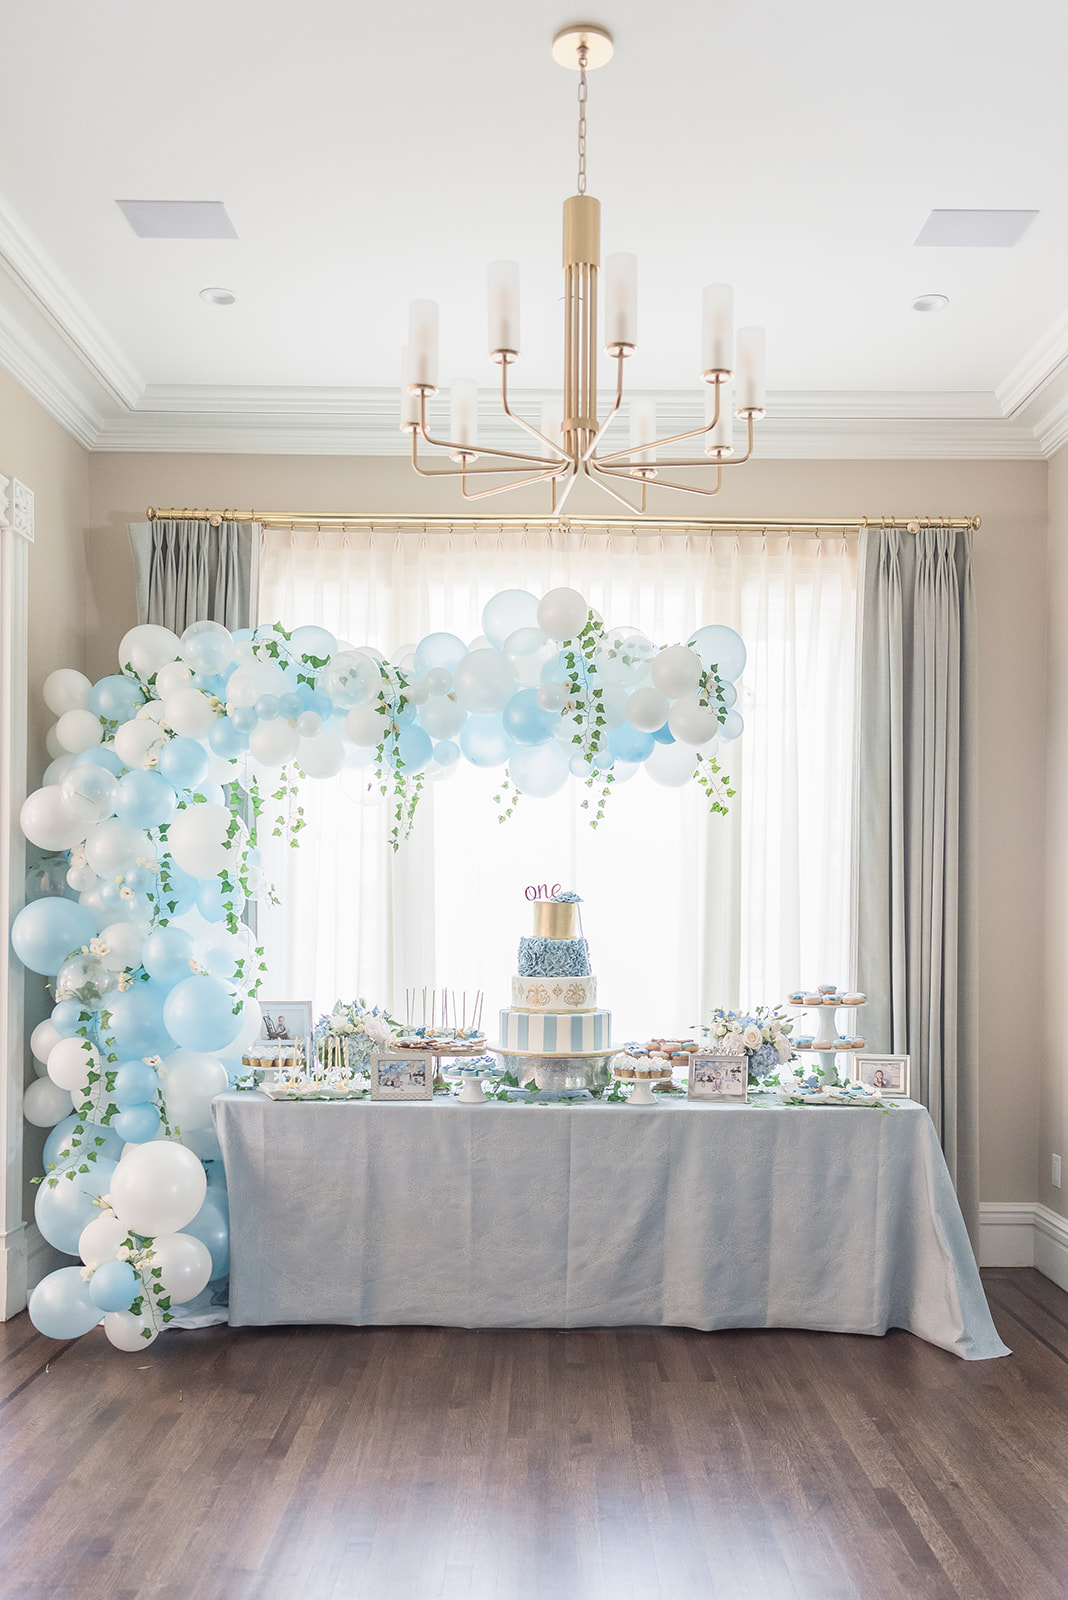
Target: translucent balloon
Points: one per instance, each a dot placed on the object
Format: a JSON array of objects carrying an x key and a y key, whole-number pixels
[
  {"x": 350, "y": 679},
  {"x": 89, "y": 792},
  {"x": 484, "y": 741},
  {"x": 722, "y": 648},
  {"x": 529, "y": 651},
  {"x": 484, "y": 682},
  {"x": 246, "y": 684},
  {"x": 272, "y": 744},
  {"x": 48, "y": 875},
  {"x": 78, "y": 731},
  {"x": 46, "y": 931},
  {"x": 524, "y": 721},
  {"x": 506, "y": 613},
  {"x": 185, "y": 1263},
  {"x": 438, "y": 650},
  {"x": 691, "y": 722},
  {"x": 63, "y": 1211},
  {"x": 113, "y": 847},
  {"x": 553, "y": 696},
  {"x": 123, "y": 941},
  {"x": 158, "y": 1188},
  {"x": 676, "y": 671},
  {"x": 48, "y": 822},
  {"x": 100, "y": 1239},
  {"x": 672, "y": 765},
  {"x": 44, "y": 1103},
  {"x": 442, "y": 717},
  {"x": 541, "y": 771},
  {"x": 207, "y": 647},
  {"x": 60, "y": 1306},
  {"x": 127, "y": 1332},
  {"x": 147, "y": 648},
  {"x": 322, "y": 756},
  {"x": 439, "y": 680},
  {"x": 624, "y": 656},
  {"x": 199, "y": 1014},
  {"x": 199, "y": 840},
  {"x": 66, "y": 690},
  {"x": 562, "y": 613},
  {"x": 313, "y": 641},
  {"x": 114, "y": 1286}
]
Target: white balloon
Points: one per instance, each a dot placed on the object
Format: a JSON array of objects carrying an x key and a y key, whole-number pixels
[
  {"x": 100, "y": 1239},
  {"x": 124, "y": 941},
  {"x": 191, "y": 1079},
  {"x": 113, "y": 847},
  {"x": 147, "y": 648},
  {"x": 71, "y": 1061},
  {"x": 175, "y": 675},
  {"x": 82, "y": 878},
  {"x": 484, "y": 681},
  {"x": 158, "y": 1188},
  {"x": 44, "y": 1103},
  {"x": 78, "y": 731},
  {"x": 137, "y": 739},
  {"x": 365, "y": 727},
  {"x": 676, "y": 671},
  {"x": 322, "y": 756},
  {"x": 52, "y": 744},
  {"x": 691, "y": 722},
  {"x": 66, "y": 690},
  {"x": 127, "y": 1332},
  {"x": 529, "y": 650},
  {"x": 48, "y": 822},
  {"x": 647, "y": 710},
  {"x": 245, "y": 685},
  {"x": 672, "y": 765},
  {"x": 57, "y": 770},
  {"x": 198, "y": 840},
  {"x": 220, "y": 768},
  {"x": 309, "y": 723},
  {"x": 185, "y": 1264},
  {"x": 189, "y": 713},
  {"x": 272, "y": 744},
  {"x": 43, "y": 1038},
  {"x": 562, "y": 613},
  {"x": 442, "y": 717}
]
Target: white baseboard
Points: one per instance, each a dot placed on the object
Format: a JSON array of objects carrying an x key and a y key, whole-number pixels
[
  {"x": 1024, "y": 1234},
  {"x": 13, "y": 1290}
]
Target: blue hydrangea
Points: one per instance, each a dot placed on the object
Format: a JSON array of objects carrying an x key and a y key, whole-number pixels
[
  {"x": 568, "y": 896},
  {"x": 553, "y": 958}
]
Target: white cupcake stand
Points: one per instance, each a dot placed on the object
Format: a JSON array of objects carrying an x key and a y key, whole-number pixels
[{"x": 828, "y": 1042}]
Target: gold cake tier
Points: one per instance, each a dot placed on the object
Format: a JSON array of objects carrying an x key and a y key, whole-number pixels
[{"x": 557, "y": 919}]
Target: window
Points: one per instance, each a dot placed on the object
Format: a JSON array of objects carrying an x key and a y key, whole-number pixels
[{"x": 683, "y": 910}]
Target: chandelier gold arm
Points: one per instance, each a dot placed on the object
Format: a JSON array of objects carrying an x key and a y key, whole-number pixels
[
  {"x": 620, "y": 357},
  {"x": 651, "y": 479},
  {"x": 463, "y": 471},
  {"x": 615, "y": 464},
  {"x": 608, "y": 489},
  {"x": 445, "y": 444},
  {"x": 536, "y": 432},
  {"x": 503, "y": 488}
]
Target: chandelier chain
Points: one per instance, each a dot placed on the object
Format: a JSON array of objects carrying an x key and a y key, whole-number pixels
[{"x": 583, "y": 96}]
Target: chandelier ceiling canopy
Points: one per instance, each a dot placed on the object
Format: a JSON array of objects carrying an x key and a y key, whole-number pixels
[{"x": 568, "y": 441}]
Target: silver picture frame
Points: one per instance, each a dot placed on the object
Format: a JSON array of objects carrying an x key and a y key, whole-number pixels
[
  {"x": 403, "y": 1075},
  {"x": 882, "y": 1074},
  {"x": 718, "y": 1078}
]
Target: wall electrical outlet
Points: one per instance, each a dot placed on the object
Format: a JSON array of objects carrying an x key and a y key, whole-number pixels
[{"x": 1055, "y": 1171}]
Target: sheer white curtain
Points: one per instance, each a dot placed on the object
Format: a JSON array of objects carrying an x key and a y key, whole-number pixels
[{"x": 684, "y": 911}]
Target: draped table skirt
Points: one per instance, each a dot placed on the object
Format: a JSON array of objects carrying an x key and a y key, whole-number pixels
[{"x": 586, "y": 1215}]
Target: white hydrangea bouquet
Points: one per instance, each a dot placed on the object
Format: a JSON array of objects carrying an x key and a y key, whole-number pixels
[
  {"x": 355, "y": 1030},
  {"x": 762, "y": 1034}
]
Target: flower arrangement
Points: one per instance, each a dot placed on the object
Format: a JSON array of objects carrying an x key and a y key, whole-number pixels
[
  {"x": 762, "y": 1034},
  {"x": 358, "y": 1028}
]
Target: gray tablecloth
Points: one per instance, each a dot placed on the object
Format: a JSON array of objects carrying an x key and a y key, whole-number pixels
[{"x": 510, "y": 1216}]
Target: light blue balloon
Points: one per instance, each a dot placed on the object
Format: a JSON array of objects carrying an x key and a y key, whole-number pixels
[
  {"x": 117, "y": 698},
  {"x": 135, "y": 1084},
  {"x": 540, "y": 771},
  {"x": 60, "y": 1306},
  {"x": 136, "y": 1020},
  {"x": 199, "y": 1014},
  {"x": 446, "y": 752},
  {"x": 730, "y": 695},
  {"x": 266, "y": 708},
  {"x": 415, "y": 748},
  {"x": 180, "y": 893},
  {"x": 289, "y": 705},
  {"x": 245, "y": 718},
  {"x": 525, "y": 721},
  {"x": 731, "y": 727},
  {"x": 630, "y": 744},
  {"x": 114, "y": 1286},
  {"x": 438, "y": 650},
  {"x": 66, "y": 1018},
  {"x": 57, "y": 1151},
  {"x": 96, "y": 757},
  {"x": 61, "y": 1210},
  {"x": 227, "y": 739},
  {"x": 166, "y": 955},
  {"x": 137, "y": 1125},
  {"x": 46, "y": 931},
  {"x": 184, "y": 762},
  {"x": 215, "y": 903},
  {"x": 509, "y": 610},
  {"x": 664, "y": 735},
  {"x": 211, "y": 1226},
  {"x": 144, "y": 799},
  {"x": 484, "y": 741},
  {"x": 720, "y": 647}
]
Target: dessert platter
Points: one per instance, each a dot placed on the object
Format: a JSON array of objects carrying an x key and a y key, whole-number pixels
[{"x": 554, "y": 1033}]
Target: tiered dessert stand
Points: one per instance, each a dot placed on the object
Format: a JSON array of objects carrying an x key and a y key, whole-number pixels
[{"x": 827, "y": 1001}]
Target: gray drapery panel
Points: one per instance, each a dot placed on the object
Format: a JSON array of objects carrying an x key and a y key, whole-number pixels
[
  {"x": 190, "y": 571},
  {"x": 915, "y": 829}
]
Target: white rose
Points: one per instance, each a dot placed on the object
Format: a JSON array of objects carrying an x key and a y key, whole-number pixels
[
  {"x": 734, "y": 1044},
  {"x": 378, "y": 1030},
  {"x": 752, "y": 1038},
  {"x": 783, "y": 1051}
]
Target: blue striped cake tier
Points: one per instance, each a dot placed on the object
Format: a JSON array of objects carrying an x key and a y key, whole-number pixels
[{"x": 555, "y": 1033}]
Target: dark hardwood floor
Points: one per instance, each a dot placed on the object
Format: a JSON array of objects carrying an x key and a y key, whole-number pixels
[{"x": 416, "y": 1463}]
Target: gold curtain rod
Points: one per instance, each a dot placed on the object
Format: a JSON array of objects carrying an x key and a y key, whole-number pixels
[{"x": 308, "y": 519}]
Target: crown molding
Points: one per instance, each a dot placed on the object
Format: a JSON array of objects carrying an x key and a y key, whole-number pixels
[{"x": 1046, "y": 358}]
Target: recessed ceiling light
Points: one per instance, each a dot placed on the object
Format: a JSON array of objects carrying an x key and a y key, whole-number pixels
[
  {"x": 930, "y": 302},
  {"x": 218, "y": 297},
  {"x": 975, "y": 229},
  {"x": 178, "y": 219}
]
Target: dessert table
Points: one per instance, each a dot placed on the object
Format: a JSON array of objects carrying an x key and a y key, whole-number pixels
[{"x": 587, "y": 1215}]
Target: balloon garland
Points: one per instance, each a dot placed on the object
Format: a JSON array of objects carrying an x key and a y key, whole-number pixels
[{"x": 149, "y": 813}]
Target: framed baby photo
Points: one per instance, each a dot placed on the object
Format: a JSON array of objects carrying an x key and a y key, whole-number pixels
[
  {"x": 403, "y": 1077},
  {"x": 882, "y": 1074},
  {"x": 717, "y": 1077},
  {"x": 285, "y": 1021}
]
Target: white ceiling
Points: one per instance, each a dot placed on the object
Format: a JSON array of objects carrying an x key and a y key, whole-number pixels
[{"x": 367, "y": 155}]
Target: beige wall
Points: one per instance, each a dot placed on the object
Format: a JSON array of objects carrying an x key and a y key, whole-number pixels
[
  {"x": 1054, "y": 1098},
  {"x": 1011, "y": 583}
]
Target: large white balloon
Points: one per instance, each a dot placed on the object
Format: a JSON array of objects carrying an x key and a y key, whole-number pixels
[
  {"x": 484, "y": 681},
  {"x": 199, "y": 843},
  {"x": 78, "y": 731},
  {"x": 48, "y": 822},
  {"x": 175, "y": 675},
  {"x": 274, "y": 743},
  {"x": 562, "y": 613},
  {"x": 691, "y": 722},
  {"x": 124, "y": 941},
  {"x": 158, "y": 1188},
  {"x": 100, "y": 1239},
  {"x": 647, "y": 710},
  {"x": 676, "y": 671},
  {"x": 127, "y": 1332},
  {"x": 191, "y": 1079},
  {"x": 71, "y": 1061},
  {"x": 246, "y": 684},
  {"x": 672, "y": 765},
  {"x": 137, "y": 739},
  {"x": 44, "y": 1103},
  {"x": 114, "y": 848},
  {"x": 185, "y": 1264},
  {"x": 189, "y": 713},
  {"x": 321, "y": 756},
  {"x": 66, "y": 690},
  {"x": 365, "y": 727},
  {"x": 147, "y": 648},
  {"x": 442, "y": 716},
  {"x": 43, "y": 1038}
]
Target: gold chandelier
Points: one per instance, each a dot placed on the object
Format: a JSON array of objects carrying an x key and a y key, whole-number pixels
[{"x": 568, "y": 443}]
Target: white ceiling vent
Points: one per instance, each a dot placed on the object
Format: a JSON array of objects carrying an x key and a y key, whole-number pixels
[
  {"x": 178, "y": 219},
  {"x": 972, "y": 229}
]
